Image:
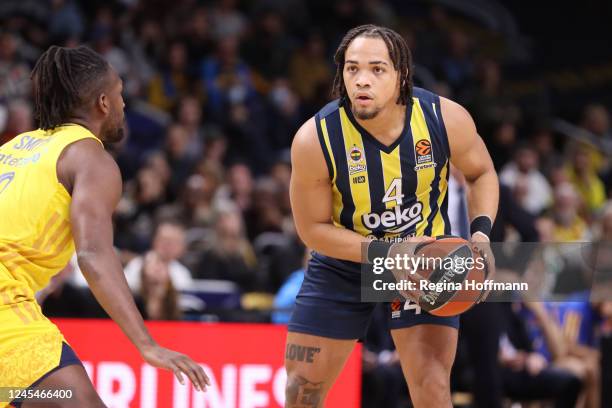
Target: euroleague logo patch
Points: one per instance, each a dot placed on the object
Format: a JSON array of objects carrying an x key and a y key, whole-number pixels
[
  {"x": 423, "y": 155},
  {"x": 423, "y": 147},
  {"x": 356, "y": 160},
  {"x": 396, "y": 308}
]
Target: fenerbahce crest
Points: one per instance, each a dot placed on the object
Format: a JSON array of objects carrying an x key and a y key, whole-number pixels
[{"x": 356, "y": 160}]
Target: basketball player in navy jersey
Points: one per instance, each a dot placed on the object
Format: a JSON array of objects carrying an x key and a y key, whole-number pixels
[{"x": 369, "y": 168}]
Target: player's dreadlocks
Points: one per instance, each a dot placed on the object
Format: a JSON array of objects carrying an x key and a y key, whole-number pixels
[
  {"x": 398, "y": 52},
  {"x": 65, "y": 80}
]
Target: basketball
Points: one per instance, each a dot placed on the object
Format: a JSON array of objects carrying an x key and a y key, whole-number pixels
[{"x": 455, "y": 272}]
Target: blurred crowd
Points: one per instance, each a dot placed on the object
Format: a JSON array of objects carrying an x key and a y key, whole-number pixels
[{"x": 215, "y": 91}]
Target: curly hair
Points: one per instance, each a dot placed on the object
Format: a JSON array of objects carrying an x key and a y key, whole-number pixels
[
  {"x": 398, "y": 52},
  {"x": 64, "y": 80}
]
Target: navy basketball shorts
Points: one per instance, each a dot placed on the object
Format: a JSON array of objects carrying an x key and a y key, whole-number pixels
[
  {"x": 329, "y": 303},
  {"x": 67, "y": 358}
]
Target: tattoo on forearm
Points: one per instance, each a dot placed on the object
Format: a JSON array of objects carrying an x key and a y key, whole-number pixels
[
  {"x": 302, "y": 393},
  {"x": 295, "y": 352}
]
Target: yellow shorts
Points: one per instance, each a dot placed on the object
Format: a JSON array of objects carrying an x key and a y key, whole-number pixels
[{"x": 30, "y": 345}]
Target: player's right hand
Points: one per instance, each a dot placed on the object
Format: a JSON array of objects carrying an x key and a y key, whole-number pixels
[
  {"x": 179, "y": 363},
  {"x": 407, "y": 247}
]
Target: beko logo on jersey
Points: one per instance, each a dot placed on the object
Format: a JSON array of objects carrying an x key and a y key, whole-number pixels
[{"x": 395, "y": 220}]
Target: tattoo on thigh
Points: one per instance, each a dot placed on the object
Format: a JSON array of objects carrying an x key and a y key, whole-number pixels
[
  {"x": 302, "y": 393},
  {"x": 295, "y": 352}
]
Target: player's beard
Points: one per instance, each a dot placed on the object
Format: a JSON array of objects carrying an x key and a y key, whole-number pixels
[
  {"x": 365, "y": 114},
  {"x": 113, "y": 133}
]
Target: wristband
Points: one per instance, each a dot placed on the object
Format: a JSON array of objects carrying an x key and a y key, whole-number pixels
[
  {"x": 482, "y": 224},
  {"x": 377, "y": 249}
]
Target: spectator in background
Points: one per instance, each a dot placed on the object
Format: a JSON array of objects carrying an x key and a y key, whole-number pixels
[
  {"x": 214, "y": 174},
  {"x": 582, "y": 174},
  {"x": 157, "y": 296},
  {"x": 281, "y": 169},
  {"x": 557, "y": 173},
  {"x": 265, "y": 213},
  {"x": 527, "y": 376},
  {"x": 14, "y": 71},
  {"x": 605, "y": 233},
  {"x": 151, "y": 40},
  {"x": 167, "y": 248},
  {"x": 604, "y": 306},
  {"x": 227, "y": 20},
  {"x": 309, "y": 68},
  {"x": 198, "y": 37},
  {"x": 606, "y": 353},
  {"x": 279, "y": 250},
  {"x": 137, "y": 209},
  {"x": 66, "y": 20},
  {"x": 226, "y": 79},
  {"x": 249, "y": 133},
  {"x": 529, "y": 186},
  {"x": 102, "y": 37},
  {"x": 501, "y": 143},
  {"x": 229, "y": 255},
  {"x": 488, "y": 99},
  {"x": 563, "y": 332},
  {"x": 19, "y": 120},
  {"x": 157, "y": 162},
  {"x": 189, "y": 116},
  {"x": 543, "y": 142},
  {"x": 268, "y": 34},
  {"x": 181, "y": 159},
  {"x": 285, "y": 113},
  {"x": 458, "y": 66},
  {"x": 239, "y": 187},
  {"x": 596, "y": 120},
  {"x": 233, "y": 102},
  {"x": 559, "y": 268},
  {"x": 215, "y": 147},
  {"x": 284, "y": 301},
  {"x": 569, "y": 225},
  {"x": 381, "y": 13},
  {"x": 432, "y": 37},
  {"x": 196, "y": 207},
  {"x": 173, "y": 81}
]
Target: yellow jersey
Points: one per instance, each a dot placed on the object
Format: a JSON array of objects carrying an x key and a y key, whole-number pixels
[
  {"x": 35, "y": 244},
  {"x": 388, "y": 192}
]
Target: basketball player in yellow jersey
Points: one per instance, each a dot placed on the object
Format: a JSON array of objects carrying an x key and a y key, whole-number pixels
[
  {"x": 58, "y": 191},
  {"x": 370, "y": 168}
]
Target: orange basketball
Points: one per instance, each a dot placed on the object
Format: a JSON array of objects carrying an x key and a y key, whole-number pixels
[{"x": 453, "y": 270}]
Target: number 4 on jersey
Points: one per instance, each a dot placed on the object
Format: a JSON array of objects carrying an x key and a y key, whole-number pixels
[
  {"x": 410, "y": 305},
  {"x": 394, "y": 192}
]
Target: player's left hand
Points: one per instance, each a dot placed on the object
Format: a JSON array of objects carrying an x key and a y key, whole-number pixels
[
  {"x": 482, "y": 245},
  {"x": 179, "y": 363}
]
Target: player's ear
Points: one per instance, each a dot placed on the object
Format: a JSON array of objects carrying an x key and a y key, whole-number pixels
[{"x": 103, "y": 103}]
